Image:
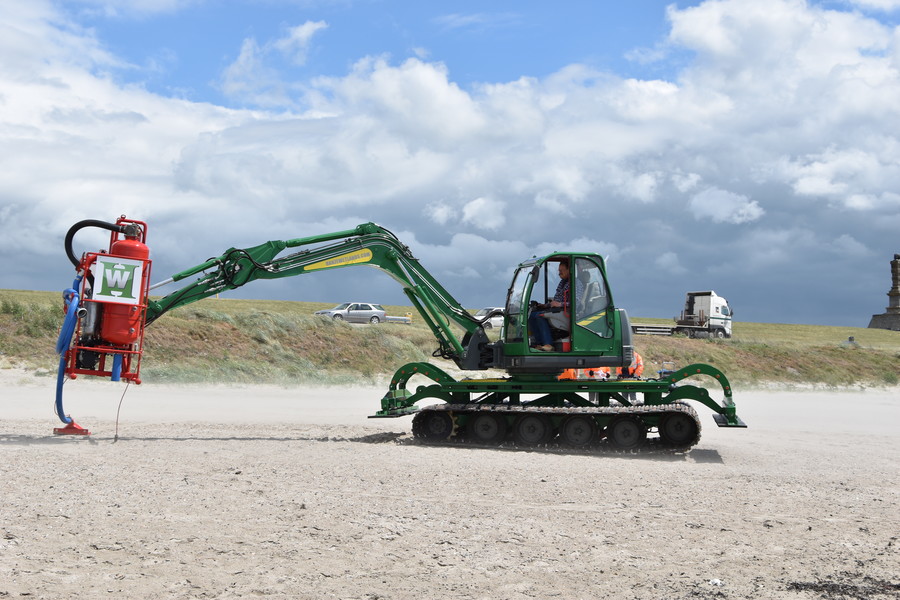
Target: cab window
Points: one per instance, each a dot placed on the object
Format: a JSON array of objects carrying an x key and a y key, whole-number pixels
[
  {"x": 517, "y": 304},
  {"x": 592, "y": 299}
]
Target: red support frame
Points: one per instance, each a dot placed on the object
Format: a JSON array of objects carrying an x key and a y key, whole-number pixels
[{"x": 131, "y": 354}]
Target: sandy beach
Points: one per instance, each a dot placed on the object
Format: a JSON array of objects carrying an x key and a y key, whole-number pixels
[{"x": 227, "y": 492}]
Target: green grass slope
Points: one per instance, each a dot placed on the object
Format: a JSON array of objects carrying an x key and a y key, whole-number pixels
[{"x": 229, "y": 340}]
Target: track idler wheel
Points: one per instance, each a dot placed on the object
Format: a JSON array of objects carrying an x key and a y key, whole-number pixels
[
  {"x": 486, "y": 429},
  {"x": 626, "y": 433},
  {"x": 678, "y": 429},
  {"x": 578, "y": 431},
  {"x": 434, "y": 425}
]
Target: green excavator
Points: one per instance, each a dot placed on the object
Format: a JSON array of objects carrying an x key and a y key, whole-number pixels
[{"x": 523, "y": 401}]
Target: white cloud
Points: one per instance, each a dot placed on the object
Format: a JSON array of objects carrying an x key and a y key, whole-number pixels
[
  {"x": 783, "y": 48},
  {"x": 643, "y": 186},
  {"x": 847, "y": 245},
  {"x": 885, "y": 5},
  {"x": 133, "y": 8},
  {"x": 249, "y": 78},
  {"x": 768, "y": 251},
  {"x": 414, "y": 99},
  {"x": 669, "y": 262},
  {"x": 580, "y": 244},
  {"x": 477, "y": 21},
  {"x": 295, "y": 45},
  {"x": 458, "y": 21},
  {"x": 252, "y": 79},
  {"x": 647, "y": 55},
  {"x": 721, "y": 206},
  {"x": 36, "y": 42},
  {"x": 440, "y": 213},
  {"x": 782, "y": 106},
  {"x": 484, "y": 213},
  {"x": 860, "y": 201},
  {"x": 550, "y": 204},
  {"x": 685, "y": 182},
  {"x": 855, "y": 177}
]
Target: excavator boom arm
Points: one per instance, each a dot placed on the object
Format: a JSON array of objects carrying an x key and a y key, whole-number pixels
[{"x": 367, "y": 244}]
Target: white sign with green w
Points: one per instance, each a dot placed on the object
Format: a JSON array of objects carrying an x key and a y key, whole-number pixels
[{"x": 118, "y": 280}]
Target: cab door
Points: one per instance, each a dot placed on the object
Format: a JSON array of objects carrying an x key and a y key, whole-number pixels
[{"x": 593, "y": 310}]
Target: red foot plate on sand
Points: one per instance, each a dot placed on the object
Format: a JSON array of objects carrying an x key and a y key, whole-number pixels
[{"x": 72, "y": 428}]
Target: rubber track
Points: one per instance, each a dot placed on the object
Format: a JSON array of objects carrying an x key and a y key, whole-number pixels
[{"x": 652, "y": 445}]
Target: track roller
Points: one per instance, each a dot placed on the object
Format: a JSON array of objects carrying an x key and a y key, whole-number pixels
[
  {"x": 486, "y": 429},
  {"x": 578, "y": 431},
  {"x": 626, "y": 432},
  {"x": 533, "y": 430}
]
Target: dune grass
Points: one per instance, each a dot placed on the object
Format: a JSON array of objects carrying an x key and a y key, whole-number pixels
[{"x": 233, "y": 340}]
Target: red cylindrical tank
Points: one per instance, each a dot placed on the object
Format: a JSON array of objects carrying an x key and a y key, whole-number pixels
[
  {"x": 122, "y": 322},
  {"x": 130, "y": 247}
]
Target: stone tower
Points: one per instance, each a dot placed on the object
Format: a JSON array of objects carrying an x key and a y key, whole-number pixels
[{"x": 891, "y": 318}]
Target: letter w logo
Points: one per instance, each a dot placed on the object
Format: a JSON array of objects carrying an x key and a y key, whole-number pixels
[
  {"x": 118, "y": 277},
  {"x": 117, "y": 281}
]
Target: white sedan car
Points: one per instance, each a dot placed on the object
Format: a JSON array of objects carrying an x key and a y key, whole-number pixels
[
  {"x": 495, "y": 321},
  {"x": 356, "y": 312}
]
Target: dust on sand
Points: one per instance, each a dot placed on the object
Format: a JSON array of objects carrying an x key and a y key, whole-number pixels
[{"x": 217, "y": 492}]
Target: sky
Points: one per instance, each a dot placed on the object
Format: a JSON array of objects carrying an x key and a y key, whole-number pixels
[{"x": 751, "y": 148}]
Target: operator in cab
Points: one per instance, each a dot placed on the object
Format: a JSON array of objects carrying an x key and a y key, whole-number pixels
[{"x": 555, "y": 314}]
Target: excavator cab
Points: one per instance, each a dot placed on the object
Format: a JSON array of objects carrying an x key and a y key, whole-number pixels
[{"x": 588, "y": 332}]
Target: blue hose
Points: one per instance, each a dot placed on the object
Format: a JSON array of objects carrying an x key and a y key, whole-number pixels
[
  {"x": 70, "y": 296},
  {"x": 116, "y": 373},
  {"x": 60, "y": 379}
]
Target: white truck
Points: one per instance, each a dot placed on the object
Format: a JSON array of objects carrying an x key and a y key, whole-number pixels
[{"x": 705, "y": 314}]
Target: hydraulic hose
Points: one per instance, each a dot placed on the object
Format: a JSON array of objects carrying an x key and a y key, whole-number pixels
[
  {"x": 70, "y": 296},
  {"x": 62, "y": 344},
  {"x": 116, "y": 374},
  {"x": 60, "y": 379},
  {"x": 88, "y": 223}
]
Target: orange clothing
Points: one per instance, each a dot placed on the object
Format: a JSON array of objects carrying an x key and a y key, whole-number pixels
[
  {"x": 635, "y": 369},
  {"x": 568, "y": 374},
  {"x": 595, "y": 373}
]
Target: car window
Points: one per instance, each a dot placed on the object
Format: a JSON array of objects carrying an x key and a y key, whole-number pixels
[
  {"x": 341, "y": 306},
  {"x": 378, "y": 307}
]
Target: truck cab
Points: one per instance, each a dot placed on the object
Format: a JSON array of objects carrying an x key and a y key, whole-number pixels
[{"x": 706, "y": 310}]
